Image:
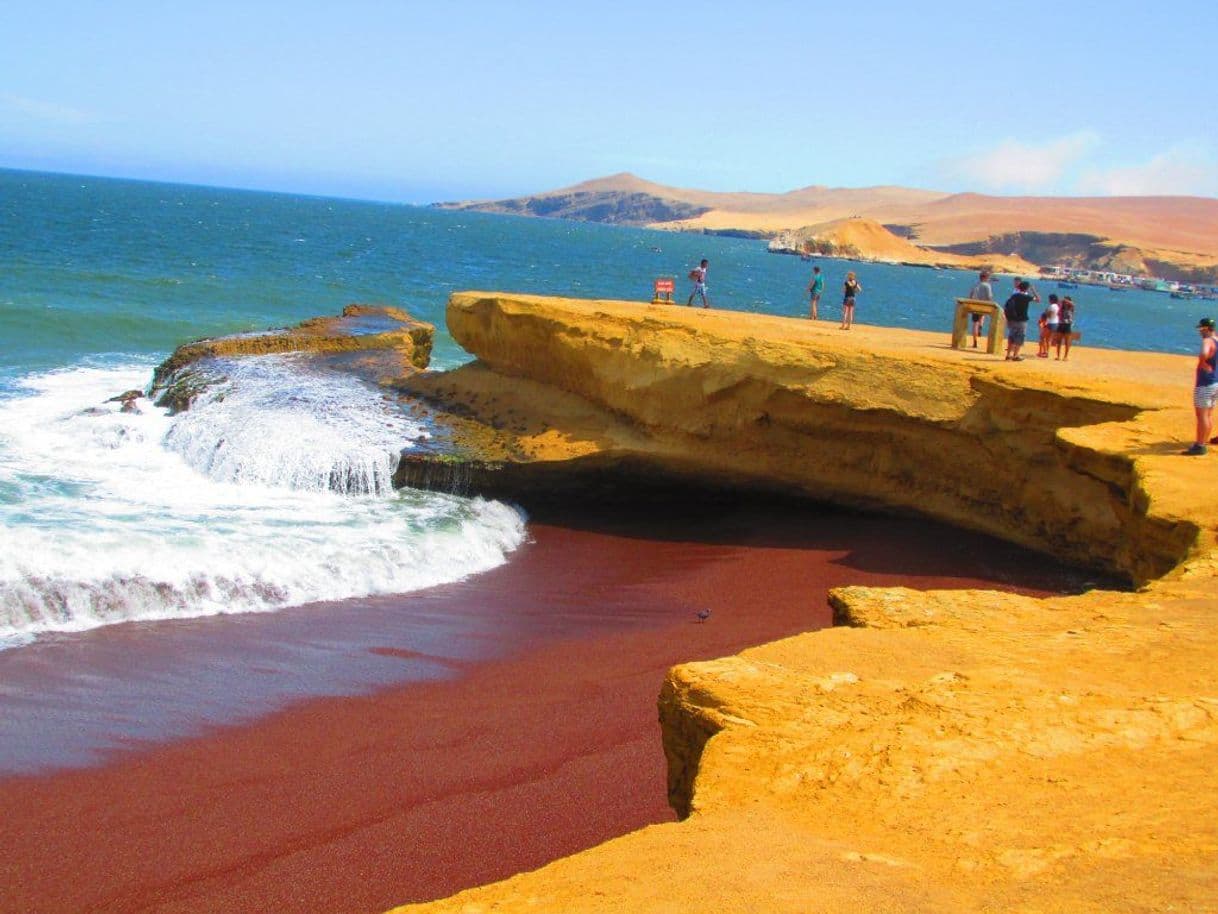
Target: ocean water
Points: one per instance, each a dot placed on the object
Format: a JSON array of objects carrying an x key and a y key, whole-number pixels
[{"x": 108, "y": 516}]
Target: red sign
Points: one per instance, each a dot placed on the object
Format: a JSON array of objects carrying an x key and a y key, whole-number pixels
[{"x": 664, "y": 285}]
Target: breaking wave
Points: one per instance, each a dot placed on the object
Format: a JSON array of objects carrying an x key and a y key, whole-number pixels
[{"x": 273, "y": 490}]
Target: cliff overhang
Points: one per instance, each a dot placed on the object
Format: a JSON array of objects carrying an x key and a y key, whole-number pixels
[{"x": 565, "y": 394}]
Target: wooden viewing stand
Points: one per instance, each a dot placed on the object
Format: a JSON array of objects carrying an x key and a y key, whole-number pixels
[
  {"x": 965, "y": 307},
  {"x": 664, "y": 286}
]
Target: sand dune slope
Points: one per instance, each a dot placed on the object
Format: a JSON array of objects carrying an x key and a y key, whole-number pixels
[{"x": 1171, "y": 236}]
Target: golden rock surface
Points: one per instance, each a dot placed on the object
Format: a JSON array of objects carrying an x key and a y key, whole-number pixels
[{"x": 935, "y": 751}]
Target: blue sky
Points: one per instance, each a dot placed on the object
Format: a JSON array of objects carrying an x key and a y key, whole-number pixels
[{"x": 428, "y": 101}]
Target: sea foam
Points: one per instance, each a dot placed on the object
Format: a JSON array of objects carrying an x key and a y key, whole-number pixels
[{"x": 274, "y": 491}]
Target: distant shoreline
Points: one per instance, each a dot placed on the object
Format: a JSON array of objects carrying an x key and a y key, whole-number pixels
[{"x": 1172, "y": 238}]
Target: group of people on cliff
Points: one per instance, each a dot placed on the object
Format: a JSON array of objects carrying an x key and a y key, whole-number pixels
[
  {"x": 851, "y": 288},
  {"x": 816, "y": 287},
  {"x": 1057, "y": 328},
  {"x": 1055, "y": 325}
]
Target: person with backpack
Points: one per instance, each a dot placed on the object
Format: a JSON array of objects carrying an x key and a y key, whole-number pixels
[{"x": 698, "y": 277}]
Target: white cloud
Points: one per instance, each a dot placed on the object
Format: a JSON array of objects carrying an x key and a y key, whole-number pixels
[
  {"x": 1022, "y": 167},
  {"x": 1175, "y": 171},
  {"x": 47, "y": 111}
]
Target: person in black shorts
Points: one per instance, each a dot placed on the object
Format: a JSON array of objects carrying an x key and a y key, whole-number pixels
[
  {"x": 1016, "y": 312},
  {"x": 850, "y": 291},
  {"x": 1065, "y": 328}
]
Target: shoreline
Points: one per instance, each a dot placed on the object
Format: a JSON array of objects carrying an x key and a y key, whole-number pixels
[{"x": 361, "y": 802}]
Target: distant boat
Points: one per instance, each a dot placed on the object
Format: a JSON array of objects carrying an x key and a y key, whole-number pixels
[
  {"x": 1067, "y": 285},
  {"x": 1118, "y": 287}
]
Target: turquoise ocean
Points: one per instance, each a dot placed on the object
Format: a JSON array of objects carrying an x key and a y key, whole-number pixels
[{"x": 107, "y": 516}]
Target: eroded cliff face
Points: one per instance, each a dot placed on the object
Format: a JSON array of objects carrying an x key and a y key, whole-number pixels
[
  {"x": 944, "y": 751},
  {"x": 882, "y": 419}
]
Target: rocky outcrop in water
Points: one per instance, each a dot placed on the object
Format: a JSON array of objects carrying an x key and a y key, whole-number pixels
[{"x": 378, "y": 342}]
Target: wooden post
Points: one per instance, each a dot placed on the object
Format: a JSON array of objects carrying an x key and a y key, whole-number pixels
[{"x": 965, "y": 308}]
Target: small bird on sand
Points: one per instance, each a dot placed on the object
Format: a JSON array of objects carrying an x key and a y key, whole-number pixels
[{"x": 703, "y": 615}]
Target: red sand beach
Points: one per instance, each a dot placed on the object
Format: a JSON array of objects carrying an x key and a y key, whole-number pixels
[{"x": 355, "y": 804}]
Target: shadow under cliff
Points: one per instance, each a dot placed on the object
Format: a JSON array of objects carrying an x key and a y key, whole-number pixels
[{"x": 673, "y": 510}]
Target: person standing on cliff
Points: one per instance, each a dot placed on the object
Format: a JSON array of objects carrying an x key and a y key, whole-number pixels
[
  {"x": 850, "y": 291},
  {"x": 698, "y": 276},
  {"x": 1050, "y": 321},
  {"x": 982, "y": 291},
  {"x": 816, "y": 285},
  {"x": 1016, "y": 311},
  {"x": 1031, "y": 290},
  {"x": 1065, "y": 328},
  {"x": 1205, "y": 388}
]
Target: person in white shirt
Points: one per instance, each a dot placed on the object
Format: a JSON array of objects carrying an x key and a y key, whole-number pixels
[
  {"x": 1049, "y": 330},
  {"x": 698, "y": 276}
]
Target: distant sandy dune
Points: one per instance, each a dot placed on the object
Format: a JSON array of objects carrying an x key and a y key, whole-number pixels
[{"x": 1132, "y": 234}]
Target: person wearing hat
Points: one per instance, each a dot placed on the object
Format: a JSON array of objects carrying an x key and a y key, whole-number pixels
[{"x": 1205, "y": 390}]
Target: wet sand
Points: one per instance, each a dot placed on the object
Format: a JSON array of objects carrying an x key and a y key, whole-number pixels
[{"x": 539, "y": 739}]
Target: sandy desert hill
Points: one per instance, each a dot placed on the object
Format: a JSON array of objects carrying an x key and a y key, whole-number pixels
[{"x": 1175, "y": 237}]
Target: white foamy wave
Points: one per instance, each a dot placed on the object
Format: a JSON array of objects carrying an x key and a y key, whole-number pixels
[
  {"x": 271, "y": 424},
  {"x": 16, "y": 639},
  {"x": 102, "y": 522}
]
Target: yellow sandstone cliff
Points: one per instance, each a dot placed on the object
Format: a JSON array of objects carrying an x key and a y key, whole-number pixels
[{"x": 944, "y": 751}]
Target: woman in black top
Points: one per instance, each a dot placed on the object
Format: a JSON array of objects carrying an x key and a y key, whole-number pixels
[
  {"x": 1065, "y": 328},
  {"x": 850, "y": 292}
]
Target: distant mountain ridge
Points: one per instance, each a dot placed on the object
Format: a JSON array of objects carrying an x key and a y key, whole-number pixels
[{"x": 1176, "y": 237}]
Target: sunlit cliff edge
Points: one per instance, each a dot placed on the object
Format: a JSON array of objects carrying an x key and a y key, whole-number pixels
[{"x": 944, "y": 751}]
